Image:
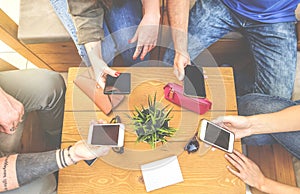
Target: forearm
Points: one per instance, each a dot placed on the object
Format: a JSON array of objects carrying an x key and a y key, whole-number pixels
[
  {"x": 151, "y": 7},
  {"x": 178, "y": 12},
  {"x": 282, "y": 121},
  {"x": 88, "y": 19},
  {"x": 274, "y": 187},
  {"x": 19, "y": 169}
]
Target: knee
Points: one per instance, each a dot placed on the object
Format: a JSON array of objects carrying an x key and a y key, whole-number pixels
[
  {"x": 52, "y": 86},
  {"x": 252, "y": 104},
  {"x": 259, "y": 140}
]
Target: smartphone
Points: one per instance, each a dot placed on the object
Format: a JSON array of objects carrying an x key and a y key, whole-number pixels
[
  {"x": 118, "y": 85},
  {"x": 216, "y": 136},
  {"x": 106, "y": 135},
  {"x": 193, "y": 82},
  {"x": 90, "y": 162}
]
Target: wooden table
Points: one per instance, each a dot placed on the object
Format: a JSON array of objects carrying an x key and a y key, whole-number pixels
[{"x": 120, "y": 173}]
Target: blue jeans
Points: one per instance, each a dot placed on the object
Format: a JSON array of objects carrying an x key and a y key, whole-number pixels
[
  {"x": 252, "y": 104},
  {"x": 120, "y": 24},
  {"x": 273, "y": 46}
]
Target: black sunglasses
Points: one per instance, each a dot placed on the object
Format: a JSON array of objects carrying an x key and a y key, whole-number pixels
[
  {"x": 119, "y": 150},
  {"x": 193, "y": 145}
]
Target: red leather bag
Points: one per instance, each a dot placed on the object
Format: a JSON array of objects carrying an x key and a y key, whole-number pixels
[{"x": 174, "y": 93}]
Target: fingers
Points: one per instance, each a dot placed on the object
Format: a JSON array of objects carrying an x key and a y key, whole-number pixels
[
  {"x": 234, "y": 172},
  {"x": 137, "y": 52},
  {"x": 18, "y": 109},
  {"x": 142, "y": 51},
  {"x": 178, "y": 74},
  {"x": 145, "y": 51},
  {"x": 134, "y": 38},
  {"x": 99, "y": 151},
  {"x": 111, "y": 72},
  {"x": 235, "y": 161}
]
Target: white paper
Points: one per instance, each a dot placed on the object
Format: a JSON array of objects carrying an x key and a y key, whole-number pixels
[{"x": 161, "y": 173}]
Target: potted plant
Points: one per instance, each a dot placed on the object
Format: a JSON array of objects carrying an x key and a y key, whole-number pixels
[{"x": 152, "y": 123}]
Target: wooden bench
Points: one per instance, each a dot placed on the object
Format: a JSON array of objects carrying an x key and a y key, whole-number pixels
[{"x": 275, "y": 162}]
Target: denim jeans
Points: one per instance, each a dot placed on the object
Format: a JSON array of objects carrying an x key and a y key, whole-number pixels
[
  {"x": 252, "y": 104},
  {"x": 273, "y": 46},
  {"x": 120, "y": 24}
]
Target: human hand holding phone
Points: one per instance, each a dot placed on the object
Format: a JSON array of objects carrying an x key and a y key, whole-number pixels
[
  {"x": 118, "y": 85},
  {"x": 216, "y": 136},
  {"x": 101, "y": 69},
  {"x": 240, "y": 125}
]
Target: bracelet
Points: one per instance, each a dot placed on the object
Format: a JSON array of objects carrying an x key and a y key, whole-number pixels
[
  {"x": 63, "y": 157},
  {"x": 60, "y": 159},
  {"x": 69, "y": 155}
]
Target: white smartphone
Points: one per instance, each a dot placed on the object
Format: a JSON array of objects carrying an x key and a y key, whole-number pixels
[
  {"x": 106, "y": 134},
  {"x": 216, "y": 136}
]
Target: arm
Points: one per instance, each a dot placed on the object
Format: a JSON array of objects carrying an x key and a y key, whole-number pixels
[
  {"x": 87, "y": 16},
  {"x": 88, "y": 19},
  {"x": 250, "y": 173},
  {"x": 19, "y": 169},
  {"x": 282, "y": 121},
  {"x": 178, "y": 12},
  {"x": 147, "y": 32}
]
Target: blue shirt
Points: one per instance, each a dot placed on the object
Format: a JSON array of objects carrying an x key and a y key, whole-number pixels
[{"x": 267, "y": 11}]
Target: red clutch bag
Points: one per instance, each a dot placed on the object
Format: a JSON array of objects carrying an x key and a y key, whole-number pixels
[{"x": 174, "y": 93}]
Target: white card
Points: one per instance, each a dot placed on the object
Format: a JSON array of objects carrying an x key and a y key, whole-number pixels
[{"x": 161, "y": 173}]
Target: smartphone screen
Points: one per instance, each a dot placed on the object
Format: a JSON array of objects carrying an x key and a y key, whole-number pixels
[
  {"x": 216, "y": 136},
  {"x": 193, "y": 82},
  {"x": 105, "y": 135},
  {"x": 117, "y": 85}
]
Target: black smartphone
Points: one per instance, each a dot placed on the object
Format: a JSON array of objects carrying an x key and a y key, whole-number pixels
[
  {"x": 118, "y": 85},
  {"x": 193, "y": 82},
  {"x": 90, "y": 162}
]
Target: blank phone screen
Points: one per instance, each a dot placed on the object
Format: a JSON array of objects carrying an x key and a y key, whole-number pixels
[
  {"x": 194, "y": 81},
  {"x": 105, "y": 135},
  {"x": 217, "y": 136}
]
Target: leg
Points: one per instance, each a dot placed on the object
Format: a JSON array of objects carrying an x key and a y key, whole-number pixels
[
  {"x": 274, "y": 51},
  {"x": 122, "y": 21},
  {"x": 208, "y": 22},
  {"x": 39, "y": 90},
  {"x": 252, "y": 104},
  {"x": 61, "y": 9}
]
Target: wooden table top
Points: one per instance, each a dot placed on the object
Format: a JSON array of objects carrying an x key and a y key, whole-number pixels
[{"x": 120, "y": 173}]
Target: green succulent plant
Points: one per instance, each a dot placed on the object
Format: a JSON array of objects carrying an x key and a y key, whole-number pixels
[{"x": 152, "y": 123}]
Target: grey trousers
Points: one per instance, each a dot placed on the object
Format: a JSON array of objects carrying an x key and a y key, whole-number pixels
[{"x": 42, "y": 91}]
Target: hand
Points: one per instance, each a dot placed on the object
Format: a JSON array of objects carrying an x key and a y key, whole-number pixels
[
  {"x": 145, "y": 35},
  {"x": 83, "y": 151},
  {"x": 100, "y": 67},
  {"x": 180, "y": 61},
  {"x": 239, "y": 125},
  {"x": 248, "y": 171},
  {"x": 11, "y": 112}
]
